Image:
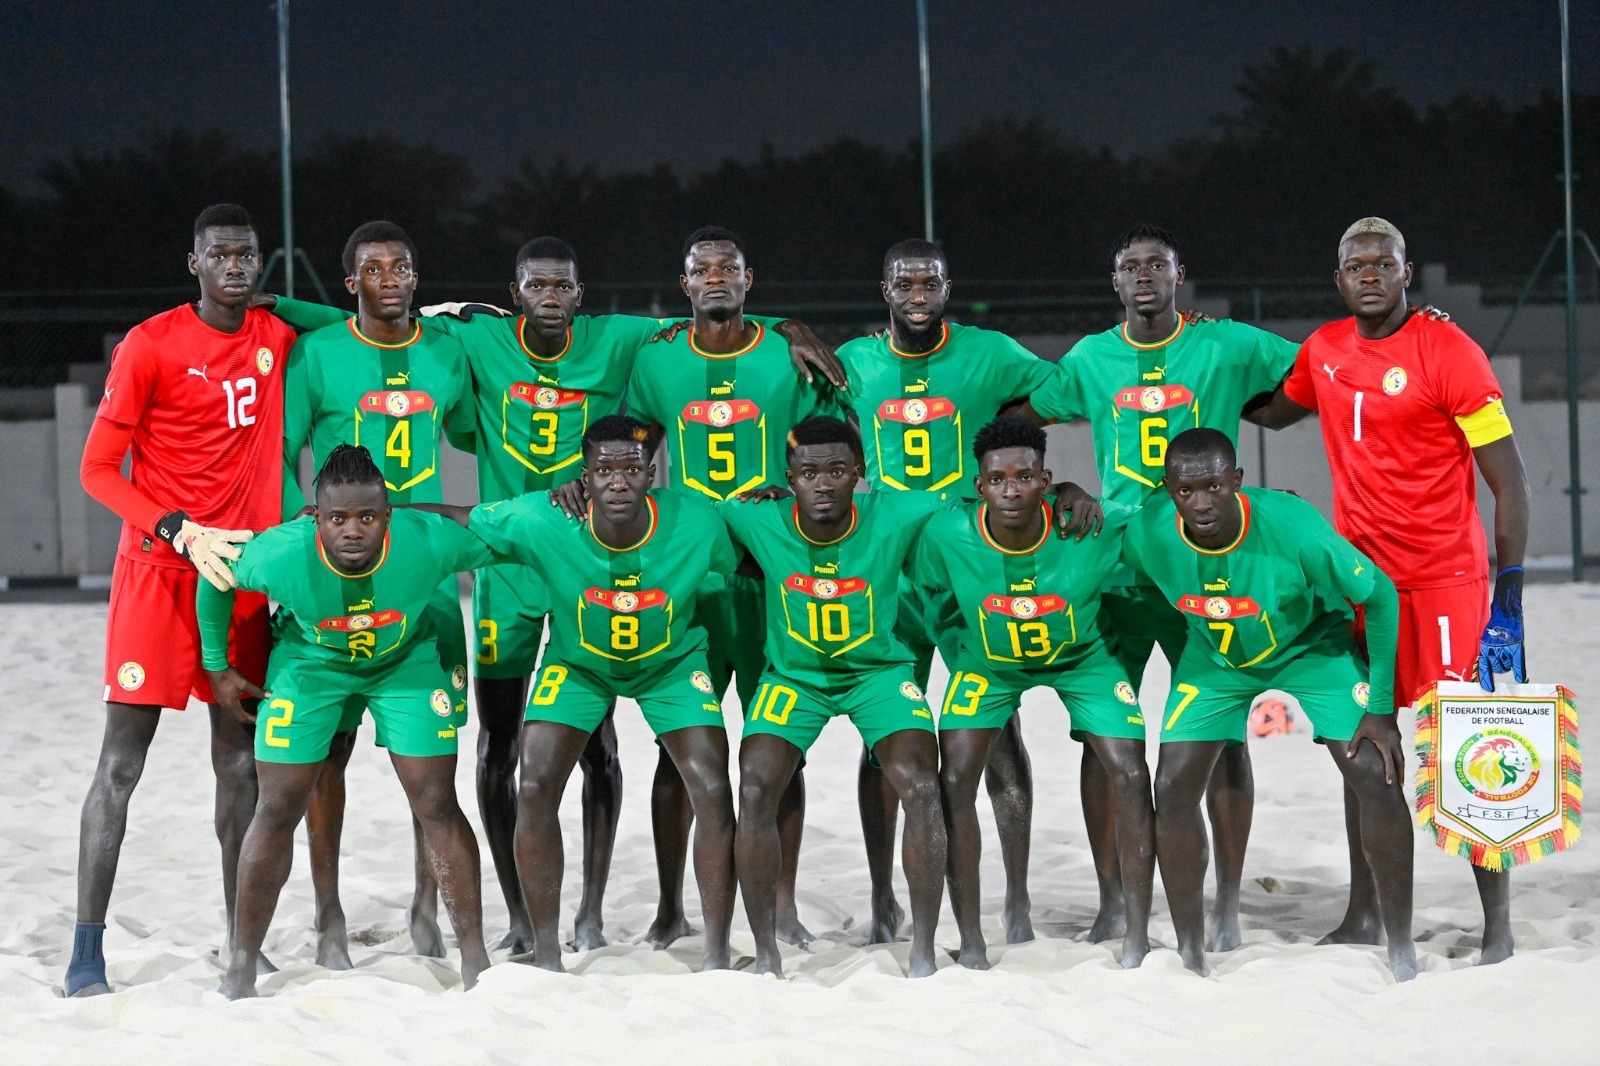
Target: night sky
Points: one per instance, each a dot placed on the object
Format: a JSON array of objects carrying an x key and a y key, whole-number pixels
[{"x": 623, "y": 85}]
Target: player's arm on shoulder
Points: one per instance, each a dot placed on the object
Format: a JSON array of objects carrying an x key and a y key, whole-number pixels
[
  {"x": 512, "y": 528},
  {"x": 301, "y": 314},
  {"x": 808, "y": 353},
  {"x": 1058, "y": 399}
]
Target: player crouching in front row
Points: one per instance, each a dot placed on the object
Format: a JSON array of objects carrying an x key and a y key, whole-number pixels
[
  {"x": 1264, "y": 582},
  {"x": 355, "y": 581}
]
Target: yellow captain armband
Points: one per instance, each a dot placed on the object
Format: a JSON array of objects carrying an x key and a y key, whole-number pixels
[{"x": 1485, "y": 425}]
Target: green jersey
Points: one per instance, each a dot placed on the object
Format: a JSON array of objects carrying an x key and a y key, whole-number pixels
[
  {"x": 919, "y": 412},
  {"x": 1025, "y": 611},
  {"x": 360, "y": 620},
  {"x": 342, "y": 387},
  {"x": 1139, "y": 396},
  {"x": 533, "y": 410},
  {"x": 1283, "y": 587},
  {"x": 726, "y": 417},
  {"x": 615, "y": 612},
  {"x": 831, "y": 607}
]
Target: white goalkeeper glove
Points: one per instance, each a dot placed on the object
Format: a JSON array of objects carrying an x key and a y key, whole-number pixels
[
  {"x": 207, "y": 547},
  {"x": 465, "y": 311}
]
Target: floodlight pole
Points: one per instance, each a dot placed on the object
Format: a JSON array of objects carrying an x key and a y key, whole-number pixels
[
  {"x": 927, "y": 122},
  {"x": 283, "y": 148},
  {"x": 1575, "y": 489}
]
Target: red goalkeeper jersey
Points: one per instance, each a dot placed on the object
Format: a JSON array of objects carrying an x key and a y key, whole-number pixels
[
  {"x": 206, "y": 410},
  {"x": 1404, "y": 487}
]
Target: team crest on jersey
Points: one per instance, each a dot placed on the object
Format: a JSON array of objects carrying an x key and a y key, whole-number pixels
[
  {"x": 915, "y": 412},
  {"x": 1126, "y": 694},
  {"x": 823, "y": 588},
  {"x": 130, "y": 675},
  {"x": 355, "y": 623},
  {"x": 1023, "y": 606},
  {"x": 1153, "y": 398},
  {"x": 440, "y": 702},
  {"x": 545, "y": 397},
  {"x": 624, "y": 602},
  {"x": 458, "y": 678},
  {"x": 1361, "y": 693},
  {"x": 1218, "y": 606},
  {"x": 910, "y": 691},
  {"x": 720, "y": 412},
  {"x": 1394, "y": 381},
  {"x": 264, "y": 360},
  {"x": 397, "y": 403},
  {"x": 700, "y": 681}
]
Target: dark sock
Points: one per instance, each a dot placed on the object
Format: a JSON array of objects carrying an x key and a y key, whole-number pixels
[{"x": 88, "y": 965}]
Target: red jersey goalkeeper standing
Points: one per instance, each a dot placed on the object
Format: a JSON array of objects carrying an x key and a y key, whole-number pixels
[
  {"x": 195, "y": 395},
  {"x": 1408, "y": 404}
]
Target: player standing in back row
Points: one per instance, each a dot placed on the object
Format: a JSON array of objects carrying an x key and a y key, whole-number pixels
[
  {"x": 920, "y": 392},
  {"x": 1407, "y": 404},
  {"x": 195, "y": 394}
]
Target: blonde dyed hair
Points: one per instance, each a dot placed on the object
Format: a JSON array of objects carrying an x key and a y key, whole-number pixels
[{"x": 1374, "y": 224}]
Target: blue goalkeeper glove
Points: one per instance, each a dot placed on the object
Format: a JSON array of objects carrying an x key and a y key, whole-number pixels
[{"x": 1500, "y": 647}]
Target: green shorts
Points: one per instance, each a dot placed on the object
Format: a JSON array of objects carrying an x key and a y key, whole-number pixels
[
  {"x": 1136, "y": 618},
  {"x": 509, "y": 604},
  {"x": 881, "y": 703},
  {"x": 1211, "y": 702},
  {"x": 414, "y": 704},
  {"x": 1099, "y": 698},
  {"x": 675, "y": 696},
  {"x": 735, "y": 621}
]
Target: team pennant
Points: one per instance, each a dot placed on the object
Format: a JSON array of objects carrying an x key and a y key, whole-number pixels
[{"x": 1499, "y": 774}]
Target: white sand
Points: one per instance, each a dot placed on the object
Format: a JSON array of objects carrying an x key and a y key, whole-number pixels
[{"x": 1279, "y": 998}]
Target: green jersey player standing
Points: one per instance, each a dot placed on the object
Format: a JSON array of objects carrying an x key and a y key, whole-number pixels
[
  {"x": 356, "y": 585},
  {"x": 1265, "y": 587},
  {"x": 1030, "y": 604},
  {"x": 920, "y": 391},
  {"x": 1139, "y": 384},
  {"x": 385, "y": 382},
  {"x": 724, "y": 395},
  {"x": 832, "y": 563}
]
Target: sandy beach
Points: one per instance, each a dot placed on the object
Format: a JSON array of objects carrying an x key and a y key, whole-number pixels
[{"x": 1278, "y": 998}]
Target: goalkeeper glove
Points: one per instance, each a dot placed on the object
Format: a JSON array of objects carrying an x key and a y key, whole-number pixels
[
  {"x": 1500, "y": 648},
  {"x": 208, "y": 548}
]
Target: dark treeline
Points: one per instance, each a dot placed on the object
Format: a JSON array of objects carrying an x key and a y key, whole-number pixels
[{"x": 1315, "y": 142}]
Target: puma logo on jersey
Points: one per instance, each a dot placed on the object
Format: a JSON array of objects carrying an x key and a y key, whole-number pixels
[
  {"x": 402, "y": 378},
  {"x": 725, "y": 389},
  {"x": 628, "y": 581},
  {"x": 1219, "y": 585},
  {"x": 1359, "y": 568},
  {"x": 919, "y": 385},
  {"x": 199, "y": 372},
  {"x": 1024, "y": 586},
  {"x": 110, "y": 391},
  {"x": 547, "y": 381},
  {"x": 825, "y": 568},
  {"x": 1330, "y": 370},
  {"x": 364, "y": 605},
  {"x": 1155, "y": 374}
]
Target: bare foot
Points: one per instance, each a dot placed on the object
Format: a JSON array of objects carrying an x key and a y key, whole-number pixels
[
  {"x": 264, "y": 966},
  {"x": 716, "y": 960},
  {"x": 1194, "y": 957},
  {"x": 1498, "y": 946},
  {"x": 1109, "y": 924},
  {"x": 1017, "y": 917},
  {"x": 546, "y": 960},
  {"x": 586, "y": 934},
  {"x": 238, "y": 986},
  {"x": 886, "y": 918},
  {"x": 1356, "y": 929},
  {"x": 974, "y": 956},
  {"x": 333, "y": 945},
  {"x": 666, "y": 929},
  {"x": 98, "y": 988},
  {"x": 1403, "y": 961},
  {"x": 921, "y": 963},
  {"x": 790, "y": 931},
  {"x": 425, "y": 935},
  {"x": 1134, "y": 949},
  {"x": 1222, "y": 925},
  {"x": 470, "y": 970},
  {"x": 518, "y": 941},
  {"x": 768, "y": 965}
]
